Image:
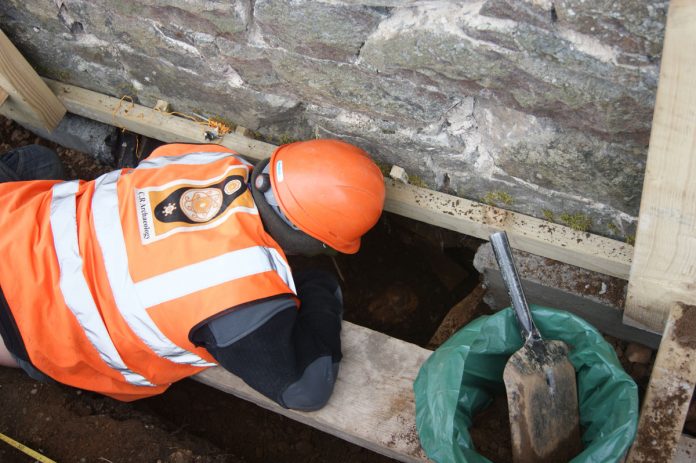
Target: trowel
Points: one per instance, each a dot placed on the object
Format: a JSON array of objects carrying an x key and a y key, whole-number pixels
[{"x": 539, "y": 381}]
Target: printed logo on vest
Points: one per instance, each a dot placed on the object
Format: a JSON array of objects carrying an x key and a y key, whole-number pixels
[{"x": 189, "y": 205}]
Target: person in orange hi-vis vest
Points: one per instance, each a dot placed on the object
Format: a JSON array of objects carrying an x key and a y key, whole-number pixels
[{"x": 149, "y": 274}]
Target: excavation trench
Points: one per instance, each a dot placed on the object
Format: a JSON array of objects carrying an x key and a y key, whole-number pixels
[{"x": 403, "y": 282}]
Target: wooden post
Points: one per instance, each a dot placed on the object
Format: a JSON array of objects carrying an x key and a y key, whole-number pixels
[
  {"x": 669, "y": 392},
  {"x": 664, "y": 268},
  {"x": 29, "y": 101}
]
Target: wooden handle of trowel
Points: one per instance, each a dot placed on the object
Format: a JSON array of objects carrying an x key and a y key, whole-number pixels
[{"x": 503, "y": 254}]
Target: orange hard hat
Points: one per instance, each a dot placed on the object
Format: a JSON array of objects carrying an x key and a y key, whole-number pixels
[{"x": 330, "y": 189}]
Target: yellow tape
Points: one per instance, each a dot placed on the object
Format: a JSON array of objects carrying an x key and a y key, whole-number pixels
[{"x": 23, "y": 448}]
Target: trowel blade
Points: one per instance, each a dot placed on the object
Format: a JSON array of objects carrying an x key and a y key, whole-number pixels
[{"x": 542, "y": 400}]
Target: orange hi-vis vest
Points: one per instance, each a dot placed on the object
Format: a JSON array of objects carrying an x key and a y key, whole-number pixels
[{"x": 105, "y": 279}]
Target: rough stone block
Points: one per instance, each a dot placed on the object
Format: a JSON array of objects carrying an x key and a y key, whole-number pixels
[
  {"x": 636, "y": 353},
  {"x": 321, "y": 30},
  {"x": 547, "y": 73},
  {"x": 398, "y": 173}
]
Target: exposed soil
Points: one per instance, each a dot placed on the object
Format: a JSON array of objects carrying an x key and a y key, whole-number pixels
[
  {"x": 403, "y": 282},
  {"x": 491, "y": 431}
]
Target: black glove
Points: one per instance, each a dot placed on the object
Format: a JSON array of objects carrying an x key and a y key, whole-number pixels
[{"x": 292, "y": 357}]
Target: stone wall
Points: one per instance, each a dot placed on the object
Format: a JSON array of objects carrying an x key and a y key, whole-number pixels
[{"x": 541, "y": 106}]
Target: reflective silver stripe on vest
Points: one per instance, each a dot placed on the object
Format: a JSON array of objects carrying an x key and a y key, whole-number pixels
[
  {"x": 73, "y": 284},
  {"x": 212, "y": 272},
  {"x": 107, "y": 225},
  {"x": 189, "y": 159}
]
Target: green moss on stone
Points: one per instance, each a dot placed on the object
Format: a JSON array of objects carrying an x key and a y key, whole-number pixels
[
  {"x": 578, "y": 221},
  {"x": 384, "y": 167},
  {"x": 62, "y": 75},
  {"x": 613, "y": 229},
  {"x": 548, "y": 215},
  {"x": 417, "y": 181},
  {"x": 497, "y": 198}
]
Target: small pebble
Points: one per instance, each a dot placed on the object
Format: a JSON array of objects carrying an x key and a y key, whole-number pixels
[
  {"x": 636, "y": 353},
  {"x": 603, "y": 290}
]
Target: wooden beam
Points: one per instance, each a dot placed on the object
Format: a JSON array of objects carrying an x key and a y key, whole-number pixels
[
  {"x": 3, "y": 96},
  {"x": 592, "y": 252},
  {"x": 669, "y": 392},
  {"x": 148, "y": 121},
  {"x": 30, "y": 100},
  {"x": 530, "y": 234},
  {"x": 372, "y": 404},
  {"x": 663, "y": 270}
]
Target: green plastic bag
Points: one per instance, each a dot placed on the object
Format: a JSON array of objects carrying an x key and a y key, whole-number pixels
[{"x": 460, "y": 378}]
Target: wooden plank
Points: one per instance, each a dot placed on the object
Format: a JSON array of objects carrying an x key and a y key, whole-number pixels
[
  {"x": 527, "y": 233},
  {"x": 663, "y": 269},
  {"x": 372, "y": 404},
  {"x": 148, "y": 121},
  {"x": 669, "y": 392},
  {"x": 530, "y": 234},
  {"x": 30, "y": 100},
  {"x": 3, "y": 96}
]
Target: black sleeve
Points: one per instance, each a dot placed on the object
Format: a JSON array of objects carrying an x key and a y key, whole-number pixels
[{"x": 289, "y": 356}]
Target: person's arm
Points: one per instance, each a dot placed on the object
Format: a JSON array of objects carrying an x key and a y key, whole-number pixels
[{"x": 289, "y": 356}]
